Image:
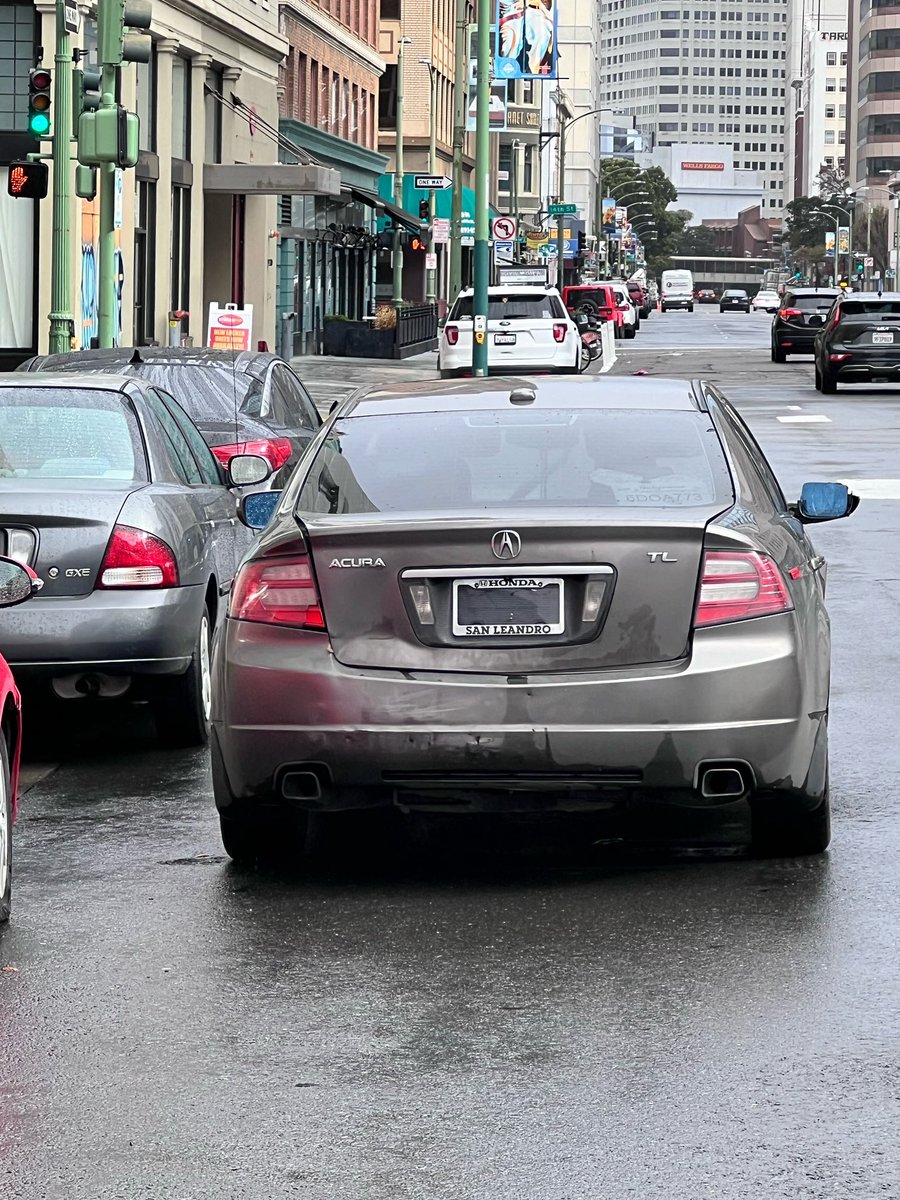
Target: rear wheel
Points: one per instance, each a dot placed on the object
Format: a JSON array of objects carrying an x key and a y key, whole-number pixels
[
  {"x": 255, "y": 833},
  {"x": 827, "y": 383},
  {"x": 630, "y": 331},
  {"x": 690, "y": 308},
  {"x": 5, "y": 833},
  {"x": 783, "y": 829},
  {"x": 778, "y": 355},
  {"x": 182, "y": 702}
]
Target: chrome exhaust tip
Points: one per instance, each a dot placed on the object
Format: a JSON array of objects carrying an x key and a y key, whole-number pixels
[{"x": 722, "y": 783}]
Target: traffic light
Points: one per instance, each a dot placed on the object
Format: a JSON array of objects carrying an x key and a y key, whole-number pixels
[
  {"x": 86, "y": 86},
  {"x": 798, "y": 274},
  {"x": 28, "y": 180},
  {"x": 417, "y": 244},
  {"x": 581, "y": 241},
  {"x": 117, "y": 41},
  {"x": 424, "y": 210},
  {"x": 40, "y": 82},
  {"x": 110, "y": 135},
  {"x": 860, "y": 267}
]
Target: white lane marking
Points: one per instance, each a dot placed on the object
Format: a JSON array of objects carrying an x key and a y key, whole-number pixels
[
  {"x": 874, "y": 489},
  {"x": 817, "y": 419}
]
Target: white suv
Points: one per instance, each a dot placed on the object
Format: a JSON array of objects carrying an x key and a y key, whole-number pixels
[
  {"x": 631, "y": 321},
  {"x": 528, "y": 330}
]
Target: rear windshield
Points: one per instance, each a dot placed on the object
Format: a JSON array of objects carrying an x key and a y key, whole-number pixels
[
  {"x": 212, "y": 393},
  {"x": 57, "y": 433},
  {"x": 809, "y": 303},
  {"x": 740, "y": 295},
  {"x": 880, "y": 310},
  {"x": 464, "y": 461},
  {"x": 597, "y": 296},
  {"x": 512, "y": 305}
]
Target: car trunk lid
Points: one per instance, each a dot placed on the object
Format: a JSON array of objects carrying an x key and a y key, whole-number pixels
[{"x": 578, "y": 591}]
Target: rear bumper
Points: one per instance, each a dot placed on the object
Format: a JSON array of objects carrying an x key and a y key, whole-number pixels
[
  {"x": 512, "y": 360},
  {"x": 862, "y": 368},
  {"x": 115, "y": 632},
  {"x": 795, "y": 342},
  {"x": 282, "y": 701}
]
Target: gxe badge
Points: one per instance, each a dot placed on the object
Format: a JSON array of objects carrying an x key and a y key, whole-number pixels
[{"x": 506, "y": 543}]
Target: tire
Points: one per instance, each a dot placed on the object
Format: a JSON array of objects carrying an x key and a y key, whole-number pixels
[
  {"x": 182, "y": 702},
  {"x": 818, "y": 378},
  {"x": 255, "y": 833},
  {"x": 6, "y": 845},
  {"x": 778, "y": 356},
  {"x": 781, "y": 828},
  {"x": 827, "y": 384},
  {"x": 630, "y": 332},
  {"x": 690, "y": 308}
]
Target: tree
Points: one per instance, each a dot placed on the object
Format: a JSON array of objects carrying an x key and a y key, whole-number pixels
[
  {"x": 806, "y": 223},
  {"x": 624, "y": 178},
  {"x": 832, "y": 182},
  {"x": 699, "y": 240}
]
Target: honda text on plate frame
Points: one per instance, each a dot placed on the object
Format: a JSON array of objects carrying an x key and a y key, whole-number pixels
[{"x": 595, "y": 599}]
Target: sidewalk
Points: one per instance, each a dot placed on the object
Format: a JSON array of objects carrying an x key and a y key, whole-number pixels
[{"x": 328, "y": 379}]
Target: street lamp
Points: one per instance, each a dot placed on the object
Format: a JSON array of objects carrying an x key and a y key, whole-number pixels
[
  {"x": 398, "y": 173},
  {"x": 837, "y": 234},
  {"x": 564, "y": 128},
  {"x": 431, "y": 273}
]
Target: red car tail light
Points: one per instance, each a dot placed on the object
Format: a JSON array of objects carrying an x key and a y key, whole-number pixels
[
  {"x": 135, "y": 559},
  {"x": 838, "y": 357},
  {"x": 277, "y": 591},
  {"x": 790, "y": 312},
  {"x": 560, "y": 329},
  {"x": 451, "y": 333},
  {"x": 276, "y": 451},
  {"x": 737, "y": 585}
]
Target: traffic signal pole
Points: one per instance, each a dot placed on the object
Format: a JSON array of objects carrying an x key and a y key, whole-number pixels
[
  {"x": 110, "y": 20},
  {"x": 62, "y": 322},
  {"x": 482, "y": 191},
  {"x": 460, "y": 106}
]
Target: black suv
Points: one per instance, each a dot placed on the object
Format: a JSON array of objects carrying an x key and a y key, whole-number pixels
[
  {"x": 800, "y": 317},
  {"x": 734, "y": 300},
  {"x": 861, "y": 341}
]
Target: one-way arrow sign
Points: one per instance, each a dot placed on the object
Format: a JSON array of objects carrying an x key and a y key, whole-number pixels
[{"x": 432, "y": 183}]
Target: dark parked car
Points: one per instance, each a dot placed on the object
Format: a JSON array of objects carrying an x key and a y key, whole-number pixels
[
  {"x": 860, "y": 342},
  {"x": 109, "y": 493},
  {"x": 800, "y": 317},
  {"x": 707, "y": 296},
  {"x": 243, "y": 403},
  {"x": 734, "y": 300},
  {"x": 640, "y": 297},
  {"x": 550, "y": 598}
]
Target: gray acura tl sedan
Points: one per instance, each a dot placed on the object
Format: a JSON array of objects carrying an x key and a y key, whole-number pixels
[
  {"x": 109, "y": 493},
  {"x": 519, "y": 596}
]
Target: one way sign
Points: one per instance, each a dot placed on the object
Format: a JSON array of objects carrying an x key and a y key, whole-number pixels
[{"x": 432, "y": 183}]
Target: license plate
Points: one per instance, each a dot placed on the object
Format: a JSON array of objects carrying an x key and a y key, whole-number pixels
[
  {"x": 504, "y": 339},
  {"x": 511, "y": 606},
  {"x": 883, "y": 339}
]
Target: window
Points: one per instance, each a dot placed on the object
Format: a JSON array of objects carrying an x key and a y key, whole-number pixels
[
  {"x": 144, "y": 264},
  {"x": 180, "y": 449},
  {"x": 829, "y": 112},
  {"x": 55, "y": 433},
  {"x": 16, "y": 59},
  {"x": 145, "y": 106},
  {"x": 215, "y": 82},
  {"x": 390, "y": 10},
  {"x": 528, "y": 169},
  {"x": 288, "y": 402},
  {"x": 829, "y": 137},
  {"x": 471, "y": 460},
  {"x": 830, "y": 85},
  {"x": 504, "y": 161},
  {"x": 387, "y": 98},
  {"x": 209, "y": 468},
  {"x": 181, "y": 248},
  {"x": 831, "y": 59},
  {"x": 181, "y": 107}
]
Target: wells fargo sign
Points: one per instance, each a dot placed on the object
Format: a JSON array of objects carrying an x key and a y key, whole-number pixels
[{"x": 702, "y": 166}]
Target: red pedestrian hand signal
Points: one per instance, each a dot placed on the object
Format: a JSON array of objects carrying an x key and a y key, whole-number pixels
[
  {"x": 27, "y": 180},
  {"x": 17, "y": 180}
]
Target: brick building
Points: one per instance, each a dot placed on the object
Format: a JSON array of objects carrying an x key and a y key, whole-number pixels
[{"x": 329, "y": 109}]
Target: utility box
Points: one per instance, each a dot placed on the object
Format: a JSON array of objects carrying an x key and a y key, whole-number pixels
[{"x": 109, "y": 135}]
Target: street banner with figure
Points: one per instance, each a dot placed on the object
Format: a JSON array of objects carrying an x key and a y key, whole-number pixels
[
  {"x": 608, "y": 208},
  {"x": 527, "y": 37},
  {"x": 844, "y": 240}
]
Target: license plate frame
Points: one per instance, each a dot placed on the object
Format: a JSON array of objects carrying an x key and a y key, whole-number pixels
[
  {"x": 882, "y": 339},
  {"x": 513, "y": 629},
  {"x": 504, "y": 339}
]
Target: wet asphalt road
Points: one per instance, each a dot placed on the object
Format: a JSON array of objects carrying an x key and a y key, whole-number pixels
[{"x": 499, "y": 1023}]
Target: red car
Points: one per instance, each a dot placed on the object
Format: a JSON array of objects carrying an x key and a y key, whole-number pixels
[
  {"x": 17, "y": 584},
  {"x": 598, "y": 299}
]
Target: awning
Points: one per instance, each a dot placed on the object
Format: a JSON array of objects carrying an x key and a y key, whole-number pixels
[
  {"x": 271, "y": 179},
  {"x": 362, "y": 196},
  {"x": 402, "y": 217}
]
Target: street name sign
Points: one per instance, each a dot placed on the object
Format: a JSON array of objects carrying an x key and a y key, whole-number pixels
[{"x": 563, "y": 210}]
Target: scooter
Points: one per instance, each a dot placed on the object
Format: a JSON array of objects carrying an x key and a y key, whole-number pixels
[{"x": 591, "y": 346}]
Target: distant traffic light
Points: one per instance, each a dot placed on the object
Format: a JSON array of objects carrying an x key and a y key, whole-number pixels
[
  {"x": 28, "y": 180},
  {"x": 860, "y": 267},
  {"x": 798, "y": 274},
  {"x": 40, "y": 82},
  {"x": 424, "y": 210},
  {"x": 417, "y": 244}
]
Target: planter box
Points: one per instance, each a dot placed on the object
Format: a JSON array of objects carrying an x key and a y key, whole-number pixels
[
  {"x": 334, "y": 338},
  {"x": 365, "y": 342}
]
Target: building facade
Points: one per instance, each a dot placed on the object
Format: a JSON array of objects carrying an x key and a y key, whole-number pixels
[
  {"x": 704, "y": 75},
  {"x": 817, "y": 105},
  {"x": 873, "y": 126},
  {"x": 710, "y": 181},
  {"x": 329, "y": 108}
]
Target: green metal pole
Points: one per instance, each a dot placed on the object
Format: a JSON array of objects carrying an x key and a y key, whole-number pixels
[
  {"x": 431, "y": 284},
  {"x": 460, "y": 105},
  {"x": 482, "y": 191},
  {"x": 61, "y": 319},
  {"x": 106, "y": 273},
  {"x": 398, "y": 177},
  {"x": 561, "y": 220}
]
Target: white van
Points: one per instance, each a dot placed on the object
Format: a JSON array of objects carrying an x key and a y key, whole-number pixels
[{"x": 677, "y": 290}]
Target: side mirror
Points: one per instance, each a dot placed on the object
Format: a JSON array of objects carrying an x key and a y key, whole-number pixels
[
  {"x": 825, "y": 502},
  {"x": 256, "y": 509},
  {"x": 17, "y": 583},
  {"x": 244, "y": 470}
]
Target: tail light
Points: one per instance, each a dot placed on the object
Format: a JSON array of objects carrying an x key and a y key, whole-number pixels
[
  {"x": 135, "y": 559},
  {"x": 276, "y": 451},
  {"x": 451, "y": 332},
  {"x": 560, "y": 329},
  {"x": 790, "y": 312},
  {"x": 739, "y": 585},
  {"x": 838, "y": 357},
  {"x": 277, "y": 591}
]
